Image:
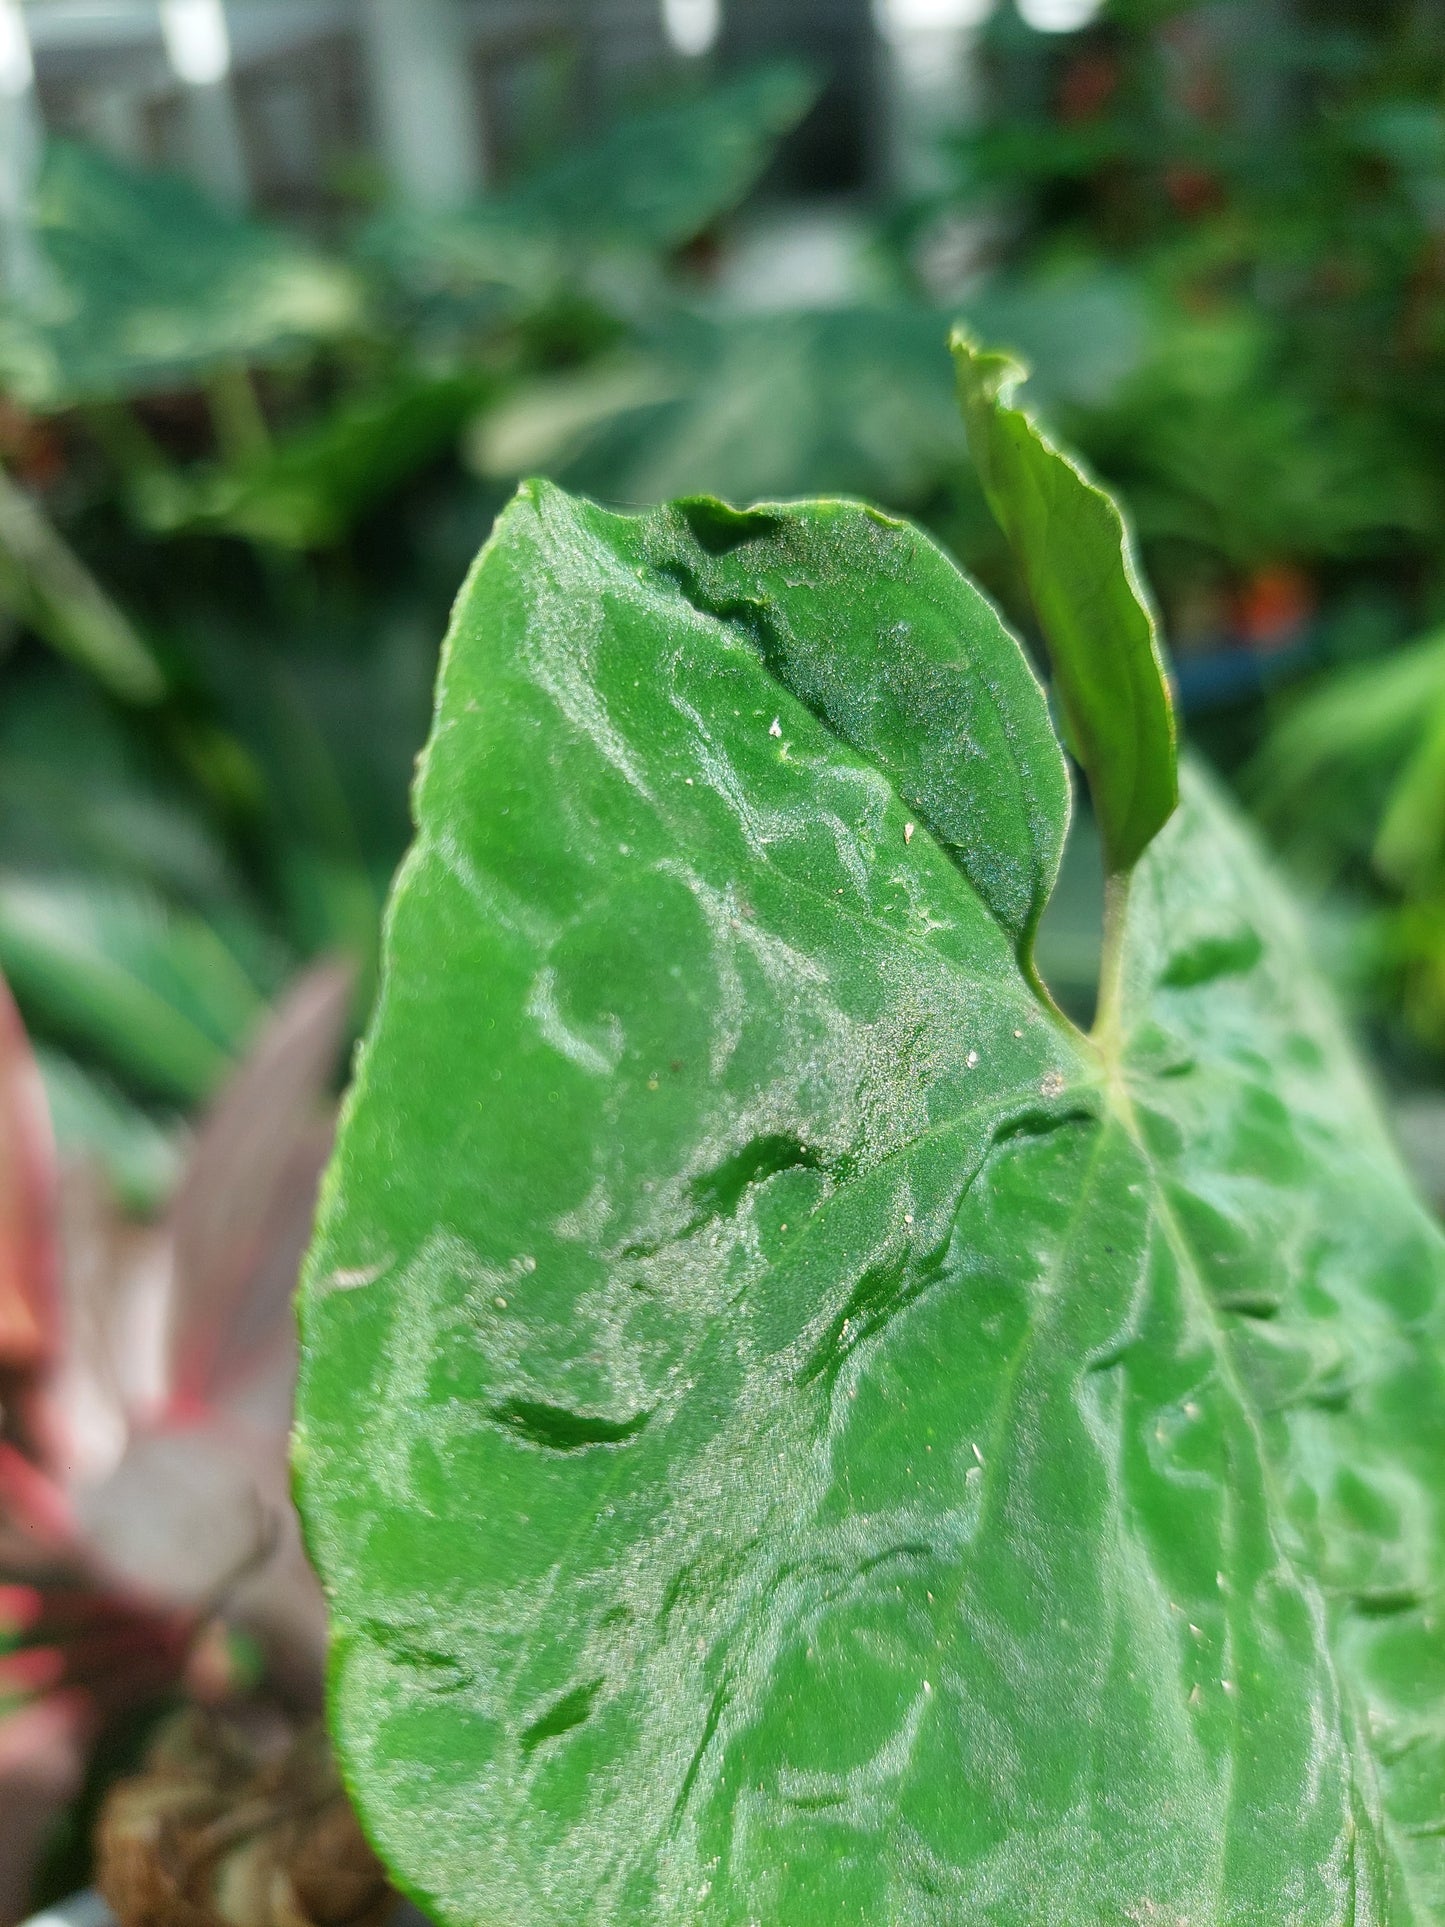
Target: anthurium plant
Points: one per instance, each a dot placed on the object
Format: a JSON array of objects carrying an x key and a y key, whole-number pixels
[{"x": 794, "y": 1431}]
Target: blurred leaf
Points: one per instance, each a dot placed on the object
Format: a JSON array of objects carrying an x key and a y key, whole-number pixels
[
  {"x": 1076, "y": 555},
  {"x": 81, "y": 792},
  {"x": 254, "y": 1168},
  {"x": 146, "y": 283},
  {"x": 1353, "y": 780},
  {"x": 46, "y": 585},
  {"x": 29, "y": 1257},
  {"x": 651, "y": 182},
  {"x": 749, "y": 408},
  {"x": 753, "y": 407},
  {"x": 308, "y": 491},
  {"x": 662, "y": 176},
  {"x": 1408, "y": 135},
  {"x": 1224, "y": 446},
  {"x": 1410, "y": 842},
  {"x": 1328, "y": 768},
  {"x": 1085, "y": 329},
  {"x": 96, "y": 1124},
  {"x": 156, "y": 992},
  {"x": 540, "y": 424}
]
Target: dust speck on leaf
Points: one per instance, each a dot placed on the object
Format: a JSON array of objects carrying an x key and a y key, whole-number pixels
[{"x": 353, "y": 1277}]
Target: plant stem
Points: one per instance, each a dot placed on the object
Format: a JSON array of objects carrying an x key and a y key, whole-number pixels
[
  {"x": 1108, "y": 1030},
  {"x": 242, "y": 433},
  {"x": 48, "y": 586}
]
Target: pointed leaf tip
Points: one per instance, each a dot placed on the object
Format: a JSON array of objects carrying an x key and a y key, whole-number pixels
[{"x": 1073, "y": 547}]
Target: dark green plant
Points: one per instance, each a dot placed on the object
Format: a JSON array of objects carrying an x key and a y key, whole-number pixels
[{"x": 794, "y": 1430}]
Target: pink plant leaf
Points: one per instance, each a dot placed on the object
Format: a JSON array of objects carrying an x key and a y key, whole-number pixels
[
  {"x": 117, "y": 1281},
  {"x": 29, "y": 1295},
  {"x": 242, "y": 1215},
  {"x": 32, "y": 1504}
]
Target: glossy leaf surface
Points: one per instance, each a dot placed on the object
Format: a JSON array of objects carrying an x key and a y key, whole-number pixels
[
  {"x": 1075, "y": 555},
  {"x": 791, "y": 1431}
]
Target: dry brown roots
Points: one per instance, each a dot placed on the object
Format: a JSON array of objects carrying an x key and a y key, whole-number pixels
[{"x": 230, "y": 1827}]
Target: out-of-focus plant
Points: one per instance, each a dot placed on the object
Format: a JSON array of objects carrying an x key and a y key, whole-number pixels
[
  {"x": 145, "y": 1394},
  {"x": 851, "y": 399},
  {"x": 143, "y": 284},
  {"x": 1352, "y": 780},
  {"x": 593, "y": 228},
  {"x": 1274, "y": 179}
]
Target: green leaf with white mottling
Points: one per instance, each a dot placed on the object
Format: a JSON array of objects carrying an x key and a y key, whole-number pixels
[{"x": 792, "y": 1432}]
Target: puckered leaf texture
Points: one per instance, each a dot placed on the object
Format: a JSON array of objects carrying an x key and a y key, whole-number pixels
[{"x": 795, "y": 1434}]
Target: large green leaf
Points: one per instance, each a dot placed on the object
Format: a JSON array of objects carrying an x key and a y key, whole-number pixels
[
  {"x": 793, "y": 1432},
  {"x": 1074, "y": 552}
]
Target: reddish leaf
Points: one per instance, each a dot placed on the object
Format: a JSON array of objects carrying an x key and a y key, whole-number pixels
[
  {"x": 29, "y": 1303},
  {"x": 243, "y": 1213}
]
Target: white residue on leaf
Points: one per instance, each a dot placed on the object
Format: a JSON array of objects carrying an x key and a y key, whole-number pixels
[
  {"x": 601, "y": 1060},
  {"x": 354, "y": 1277}
]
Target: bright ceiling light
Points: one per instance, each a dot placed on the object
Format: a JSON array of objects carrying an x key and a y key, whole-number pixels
[
  {"x": 17, "y": 64},
  {"x": 692, "y": 25},
  {"x": 903, "y": 19},
  {"x": 1058, "y": 16},
  {"x": 197, "y": 42}
]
